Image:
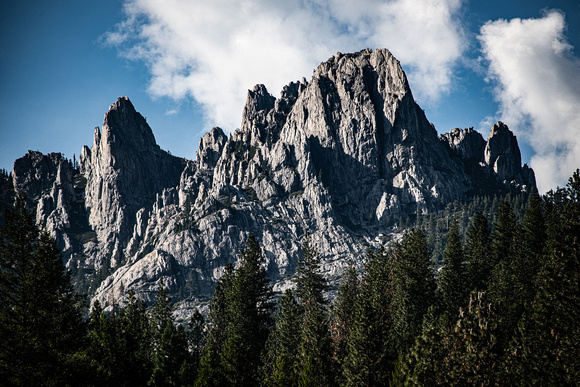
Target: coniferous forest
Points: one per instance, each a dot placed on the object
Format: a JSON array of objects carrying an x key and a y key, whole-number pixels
[{"x": 503, "y": 309}]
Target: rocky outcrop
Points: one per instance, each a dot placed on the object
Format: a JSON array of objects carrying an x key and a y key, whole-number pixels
[
  {"x": 48, "y": 184},
  {"x": 344, "y": 156},
  {"x": 466, "y": 144},
  {"x": 124, "y": 170},
  {"x": 493, "y": 166}
]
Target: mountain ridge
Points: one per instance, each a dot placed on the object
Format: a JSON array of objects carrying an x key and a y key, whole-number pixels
[{"x": 344, "y": 157}]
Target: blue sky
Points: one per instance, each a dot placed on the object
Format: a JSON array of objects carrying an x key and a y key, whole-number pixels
[{"x": 186, "y": 66}]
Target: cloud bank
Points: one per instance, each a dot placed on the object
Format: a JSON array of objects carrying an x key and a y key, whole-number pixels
[
  {"x": 214, "y": 51},
  {"x": 538, "y": 90}
]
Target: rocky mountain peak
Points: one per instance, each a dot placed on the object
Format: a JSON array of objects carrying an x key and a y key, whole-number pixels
[
  {"x": 346, "y": 156},
  {"x": 467, "y": 144},
  {"x": 124, "y": 124},
  {"x": 502, "y": 152}
]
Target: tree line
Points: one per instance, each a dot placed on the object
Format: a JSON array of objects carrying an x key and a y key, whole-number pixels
[{"x": 502, "y": 310}]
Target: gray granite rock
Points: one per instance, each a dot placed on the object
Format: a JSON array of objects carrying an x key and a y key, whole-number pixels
[{"x": 343, "y": 157}]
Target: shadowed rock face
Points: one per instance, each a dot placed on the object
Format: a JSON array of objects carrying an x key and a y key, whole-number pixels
[{"x": 343, "y": 156}]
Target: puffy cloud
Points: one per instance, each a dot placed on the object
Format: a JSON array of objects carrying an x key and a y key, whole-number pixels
[
  {"x": 538, "y": 89},
  {"x": 214, "y": 51}
]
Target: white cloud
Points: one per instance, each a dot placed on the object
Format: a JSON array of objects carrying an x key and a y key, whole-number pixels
[
  {"x": 214, "y": 51},
  {"x": 538, "y": 89}
]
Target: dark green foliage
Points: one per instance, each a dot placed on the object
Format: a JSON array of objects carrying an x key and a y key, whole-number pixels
[
  {"x": 240, "y": 318},
  {"x": 310, "y": 283},
  {"x": 413, "y": 288},
  {"x": 453, "y": 280},
  {"x": 171, "y": 363},
  {"x": 477, "y": 252},
  {"x": 40, "y": 316},
  {"x": 505, "y": 289},
  {"x": 314, "y": 365},
  {"x": 196, "y": 340},
  {"x": 436, "y": 225},
  {"x": 459, "y": 352},
  {"x": 343, "y": 311},
  {"x": 546, "y": 347},
  {"x": 370, "y": 350},
  {"x": 282, "y": 346}
]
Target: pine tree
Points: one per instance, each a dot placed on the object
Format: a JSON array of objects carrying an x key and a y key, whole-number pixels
[
  {"x": 136, "y": 339},
  {"x": 478, "y": 253},
  {"x": 40, "y": 315},
  {"x": 343, "y": 311},
  {"x": 452, "y": 282},
  {"x": 210, "y": 372},
  {"x": 250, "y": 310},
  {"x": 505, "y": 291},
  {"x": 546, "y": 347},
  {"x": 532, "y": 248},
  {"x": 170, "y": 360},
  {"x": 413, "y": 288},
  {"x": 471, "y": 359},
  {"x": 196, "y": 338},
  {"x": 282, "y": 346},
  {"x": 369, "y": 351},
  {"x": 240, "y": 321},
  {"x": 315, "y": 366}
]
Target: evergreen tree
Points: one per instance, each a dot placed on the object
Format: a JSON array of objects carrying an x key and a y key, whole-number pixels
[
  {"x": 40, "y": 315},
  {"x": 452, "y": 282},
  {"x": 343, "y": 311},
  {"x": 210, "y": 372},
  {"x": 250, "y": 310},
  {"x": 532, "y": 248},
  {"x": 196, "y": 340},
  {"x": 240, "y": 320},
  {"x": 282, "y": 346},
  {"x": 315, "y": 366},
  {"x": 370, "y": 352},
  {"x": 546, "y": 347},
  {"x": 310, "y": 283},
  {"x": 478, "y": 253},
  {"x": 413, "y": 288},
  {"x": 505, "y": 291},
  {"x": 137, "y": 351},
  {"x": 171, "y": 362},
  {"x": 422, "y": 366},
  {"x": 472, "y": 359}
]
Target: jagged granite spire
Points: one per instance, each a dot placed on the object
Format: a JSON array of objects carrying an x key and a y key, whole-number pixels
[
  {"x": 125, "y": 170},
  {"x": 343, "y": 156}
]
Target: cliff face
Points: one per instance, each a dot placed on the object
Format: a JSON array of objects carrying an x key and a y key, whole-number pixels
[{"x": 344, "y": 157}]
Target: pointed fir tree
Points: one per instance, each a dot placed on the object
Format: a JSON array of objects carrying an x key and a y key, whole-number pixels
[
  {"x": 413, "y": 288},
  {"x": 40, "y": 315},
  {"x": 472, "y": 359},
  {"x": 504, "y": 290},
  {"x": 136, "y": 339},
  {"x": 250, "y": 309},
  {"x": 210, "y": 371},
  {"x": 343, "y": 311},
  {"x": 478, "y": 253},
  {"x": 546, "y": 347},
  {"x": 453, "y": 278},
  {"x": 196, "y": 339},
  {"x": 315, "y": 366},
  {"x": 281, "y": 352},
  {"x": 370, "y": 352}
]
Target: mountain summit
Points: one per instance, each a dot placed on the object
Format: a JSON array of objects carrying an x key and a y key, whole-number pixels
[{"x": 345, "y": 157}]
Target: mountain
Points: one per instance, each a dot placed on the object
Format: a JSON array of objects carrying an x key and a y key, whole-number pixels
[{"x": 345, "y": 157}]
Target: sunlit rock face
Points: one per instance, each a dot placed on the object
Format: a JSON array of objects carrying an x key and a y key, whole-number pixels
[{"x": 343, "y": 157}]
